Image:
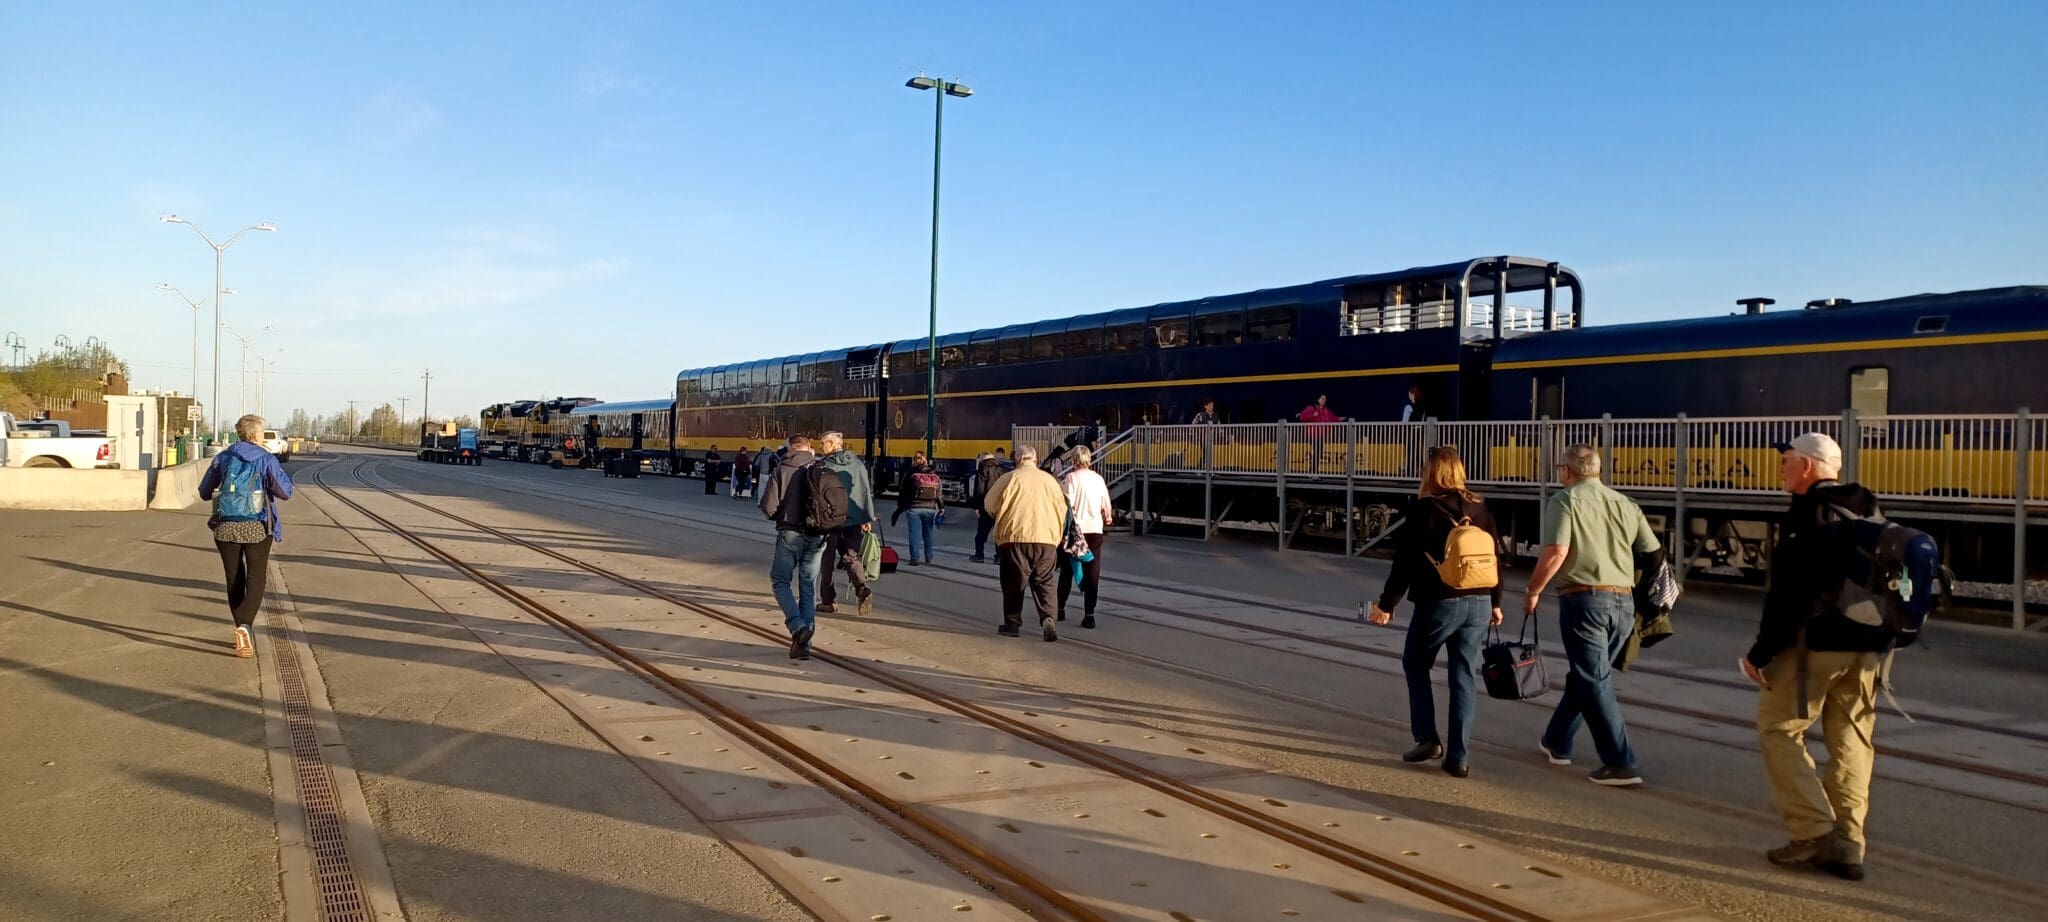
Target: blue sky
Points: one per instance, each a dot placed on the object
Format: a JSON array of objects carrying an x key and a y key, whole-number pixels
[{"x": 546, "y": 199}]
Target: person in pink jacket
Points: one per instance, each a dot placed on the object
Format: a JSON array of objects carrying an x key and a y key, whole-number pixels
[{"x": 1318, "y": 412}]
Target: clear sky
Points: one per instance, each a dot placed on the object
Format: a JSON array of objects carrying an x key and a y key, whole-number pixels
[{"x": 580, "y": 199}]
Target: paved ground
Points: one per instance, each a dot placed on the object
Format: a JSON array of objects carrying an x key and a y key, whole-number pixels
[{"x": 493, "y": 800}]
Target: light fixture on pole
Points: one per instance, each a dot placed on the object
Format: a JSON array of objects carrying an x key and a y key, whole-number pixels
[
  {"x": 263, "y": 363},
  {"x": 931, "y": 382},
  {"x": 241, "y": 377},
  {"x": 218, "y": 249},
  {"x": 166, "y": 286}
]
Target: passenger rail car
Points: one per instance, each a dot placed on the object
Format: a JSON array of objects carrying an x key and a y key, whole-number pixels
[
  {"x": 642, "y": 430},
  {"x": 1262, "y": 355}
]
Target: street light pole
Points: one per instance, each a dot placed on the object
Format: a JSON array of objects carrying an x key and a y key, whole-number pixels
[
  {"x": 427, "y": 392},
  {"x": 188, "y": 299},
  {"x": 241, "y": 377},
  {"x": 931, "y": 383},
  {"x": 218, "y": 249}
]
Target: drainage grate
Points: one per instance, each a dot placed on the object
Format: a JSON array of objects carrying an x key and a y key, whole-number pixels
[{"x": 341, "y": 896}]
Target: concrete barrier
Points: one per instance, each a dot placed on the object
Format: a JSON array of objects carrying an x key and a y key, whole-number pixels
[
  {"x": 178, "y": 486},
  {"x": 69, "y": 490}
]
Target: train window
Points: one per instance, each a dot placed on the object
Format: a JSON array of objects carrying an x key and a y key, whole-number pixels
[
  {"x": 789, "y": 372},
  {"x": 1010, "y": 349},
  {"x": 1169, "y": 333},
  {"x": 1870, "y": 391},
  {"x": 1270, "y": 324},
  {"x": 982, "y": 349},
  {"x": 920, "y": 361},
  {"x": 1111, "y": 417},
  {"x": 1219, "y": 329},
  {"x": 1073, "y": 416},
  {"x": 718, "y": 380},
  {"x": 1931, "y": 324},
  {"x": 1045, "y": 346},
  {"x": 1083, "y": 337},
  {"x": 952, "y": 357},
  {"x": 1146, "y": 413},
  {"x": 1129, "y": 337}
]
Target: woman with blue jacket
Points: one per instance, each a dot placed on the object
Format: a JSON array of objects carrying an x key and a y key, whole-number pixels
[{"x": 244, "y": 483}]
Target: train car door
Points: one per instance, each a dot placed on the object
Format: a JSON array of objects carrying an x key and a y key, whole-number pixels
[{"x": 1547, "y": 398}]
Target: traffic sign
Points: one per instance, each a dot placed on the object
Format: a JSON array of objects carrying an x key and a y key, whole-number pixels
[{"x": 194, "y": 413}]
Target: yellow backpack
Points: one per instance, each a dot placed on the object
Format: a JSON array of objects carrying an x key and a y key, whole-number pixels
[{"x": 1469, "y": 561}]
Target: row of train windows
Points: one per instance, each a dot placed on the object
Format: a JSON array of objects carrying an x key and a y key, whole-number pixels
[{"x": 1262, "y": 324}]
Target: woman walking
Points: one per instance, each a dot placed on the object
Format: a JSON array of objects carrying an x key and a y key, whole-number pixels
[
  {"x": 920, "y": 495},
  {"x": 245, "y": 482},
  {"x": 1088, "y": 498},
  {"x": 1454, "y": 580}
]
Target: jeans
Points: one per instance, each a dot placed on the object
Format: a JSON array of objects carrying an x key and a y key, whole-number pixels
[
  {"x": 983, "y": 524},
  {"x": 1596, "y": 626},
  {"x": 1459, "y": 624},
  {"x": 245, "y": 566},
  {"x": 796, "y": 556},
  {"x": 922, "y": 521}
]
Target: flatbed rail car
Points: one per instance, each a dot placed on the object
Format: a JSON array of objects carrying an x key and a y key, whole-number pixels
[
  {"x": 445, "y": 443},
  {"x": 636, "y": 432}
]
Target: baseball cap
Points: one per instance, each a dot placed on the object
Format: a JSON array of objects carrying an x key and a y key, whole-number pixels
[{"x": 1816, "y": 445}]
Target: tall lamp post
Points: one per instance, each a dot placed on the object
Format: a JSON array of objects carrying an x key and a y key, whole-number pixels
[
  {"x": 241, "y": 377},
  {"x": 195, "y": 302},
  {"x": 931, "y": 382},
  {"x": 263, "y": 363},
  {"x": 218, "y": 249}
]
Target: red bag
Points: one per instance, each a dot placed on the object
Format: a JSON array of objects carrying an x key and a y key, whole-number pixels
[{"x": 888, "y": 559}]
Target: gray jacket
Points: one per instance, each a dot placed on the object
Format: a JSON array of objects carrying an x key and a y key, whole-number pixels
[
  {"x": 860, "y": 488},
  {"x": 786, "y": 516}
]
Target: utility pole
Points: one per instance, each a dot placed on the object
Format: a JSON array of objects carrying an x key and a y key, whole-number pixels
[
  {"x": 426, "y": 393},
  {"x": 401, "y": 413},
  {"x": 351, "y": 420}
]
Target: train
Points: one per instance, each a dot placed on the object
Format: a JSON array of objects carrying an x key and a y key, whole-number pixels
[
  {"x": 539, "y": 431},
  {"x": 1503, "y": 338}
]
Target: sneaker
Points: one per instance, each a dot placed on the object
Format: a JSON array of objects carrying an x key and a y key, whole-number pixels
[
  {"x": 867, "y": 601},
  {"x": 1846, "y": 870},
  {"x": 1050, "y": 634},
  {"x": 1552, "y": 755},
  {"x": 1088, "y": 622},
  {"x": 1008, "y": 630},
  {"x": 1424, "y": 752},
  {"x": 977, "y": 559},
  {"x": 800, "y": 643},
  {"x": 827, "y": 608},
  {"x": 1797, "y": 851},
  {"x": 1615, "y": 777},
  {"x": 914, "y": 562},
  {"x": 1457, "y": 769},
  {"x": 244, "y": 647}
]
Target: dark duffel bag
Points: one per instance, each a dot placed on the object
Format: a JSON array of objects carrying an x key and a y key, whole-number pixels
[{"x": 1514, "y": 671}]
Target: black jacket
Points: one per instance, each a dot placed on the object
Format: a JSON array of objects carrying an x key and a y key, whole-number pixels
[
  {"x": 906, "y": 492},
  {"x": 1421, "y": 538},
  {"x": 1804, "y": 564},
  {"x": 782, "y": 492}
]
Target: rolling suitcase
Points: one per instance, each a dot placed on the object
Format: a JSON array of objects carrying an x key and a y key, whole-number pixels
[{"x": 888, "y": 559}]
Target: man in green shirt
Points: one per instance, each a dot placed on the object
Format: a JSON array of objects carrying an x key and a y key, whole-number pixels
[{"x": 1591, "y": 535}]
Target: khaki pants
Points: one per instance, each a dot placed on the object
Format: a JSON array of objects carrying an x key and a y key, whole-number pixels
[{"x": 1841, "y": 690}]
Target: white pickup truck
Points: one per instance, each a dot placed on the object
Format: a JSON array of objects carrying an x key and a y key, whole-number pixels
[{"x": 50, "y": 443}]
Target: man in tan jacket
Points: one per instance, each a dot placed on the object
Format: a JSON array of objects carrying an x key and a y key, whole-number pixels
[{"x": 1030, "y": 511}]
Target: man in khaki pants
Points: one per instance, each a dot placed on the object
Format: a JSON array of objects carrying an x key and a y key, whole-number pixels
[{"x": 1810, "y": 662}]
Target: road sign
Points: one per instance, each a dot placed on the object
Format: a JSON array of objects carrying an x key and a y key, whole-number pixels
[{"x": 194, "y": 413}]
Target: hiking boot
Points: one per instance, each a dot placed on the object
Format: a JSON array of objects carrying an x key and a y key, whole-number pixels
[
  {"x": 1424, "y": 752},
  {"x": 1831, "y": 856},
  {"x": 244, "y": 647},
  {"x": 1457, "y": 769},
  {"x": 800, "y": 643},
  {"x": 1797, "y": 851},
  {"x": 1615, "y": 777},
  {"x": 1007, "y": 630},
  {"x": 867, "y": 601},
  {"x": 1552, "y": 755},
  {"x": 1088, "y": 621},
  {"x": 827, "y": 608},
  {"x": 1050, "y": 634}
]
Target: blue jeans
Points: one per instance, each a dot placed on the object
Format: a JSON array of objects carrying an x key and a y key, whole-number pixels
[
  {"x": 796, "y": 556},
  {"x": 922, "y": 521},
  {"x": 1459, "y": 624},
  {"x": 1596, "y": 626}
]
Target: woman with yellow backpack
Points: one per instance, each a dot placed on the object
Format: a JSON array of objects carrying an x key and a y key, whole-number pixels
[{"x": 1446, "y": 560}]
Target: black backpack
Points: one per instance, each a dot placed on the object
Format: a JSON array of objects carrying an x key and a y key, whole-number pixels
[
  {"x": 824, "y": 498},
  {"x": 1888, "y": 573}
]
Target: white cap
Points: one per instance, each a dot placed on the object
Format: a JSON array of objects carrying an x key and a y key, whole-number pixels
[{"x": 1819, "y": 446}]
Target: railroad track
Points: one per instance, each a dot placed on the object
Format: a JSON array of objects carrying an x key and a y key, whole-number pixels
[
  {"x": 1496, "y": 901},
  {"x": 1893, "y": 750}
]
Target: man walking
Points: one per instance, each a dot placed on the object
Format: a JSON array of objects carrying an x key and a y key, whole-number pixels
[
  {"x": 842, "y": 545},
  {"x": 1030, "y": 511},
  {"x": 742, "y": 473},
  {"x": 1809, "y": 661},
  {"x": 712, "y": 459},
  {"x": 1591, "y": 535},
  {"x": 796, "y": 549}
]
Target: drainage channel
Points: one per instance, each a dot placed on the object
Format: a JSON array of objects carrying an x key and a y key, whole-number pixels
[{"x": 341, "y": 893}]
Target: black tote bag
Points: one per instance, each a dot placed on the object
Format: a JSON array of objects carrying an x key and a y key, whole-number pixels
[{"x": 1514, "y": 671}]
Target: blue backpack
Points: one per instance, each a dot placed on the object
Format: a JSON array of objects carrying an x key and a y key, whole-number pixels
[
  {"x": 240, "y": 497},
  {"x": 1888, "y": 574}
]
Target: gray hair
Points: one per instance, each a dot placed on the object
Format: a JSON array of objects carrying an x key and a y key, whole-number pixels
[
  {"x": 249, "y": 428},
  {"x": 1027, "y": 453},
  {"x": 1081, "y": 456},
  {"x": 1582, "y": 460},
  {"x": 833, "y": 438}
]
